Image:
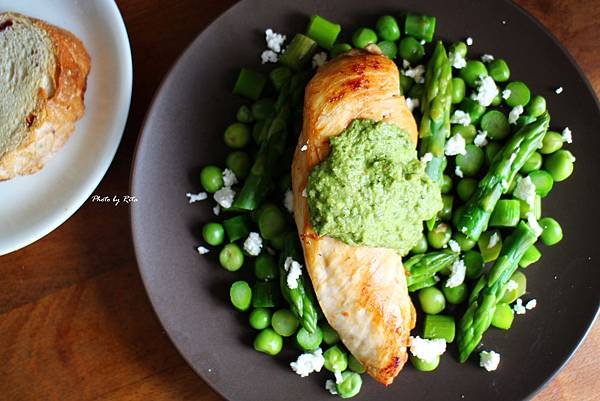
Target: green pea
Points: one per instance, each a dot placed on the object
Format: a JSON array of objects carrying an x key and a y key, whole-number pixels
[
  {"x": 432, "y": 300},
  {"x": 465, "y": 243},
  {"x": 363, "y": 37},
  {"x": 458, "y": 90},
  {"x": 330, "y": 336},
  {"x": 389, "y": 49},
  {"x": 240, "y": 295},
  {"x": 519, "y": 94},
  {"x": 411, "y": 50},
  {"x": 239, "y": 163},
  {"x": 271, "y": 221},
  {"x": 498, "y": 70},
  {"x": 495, "y": 123},
  {"x": 420, "y": 246},
  {"x": 551, "y": 143},
  {"x": 446, "y": 213},
  {"x": 491, "y": 149},
  {"x": 211, "y": 178},
  {"x": 468, "y": 132},
  {"x": 471, "y": 72},
  {"x": 335, "y": 359},
  {"x": 533, "y": 163},
  {"x": 260, "y": 318},
  {"x": 265, "y": 267},
  {"x": 497, "y": 100},
  {"x": 536, "y": 107},
  {"x": 510, "y": 296},
  {"x": 339, "y": 48},
  {"x": 424, "y": 366},
  {"x": 457, "y": 214},
  {"x": 459, "y": 48},
  {"x": 262, "y": 108},
  {"x": 268, "y": 342},
  {"x": 406, "y": 83},
  {"x": 439, "y": 235},
  {"x": 231, "y": 257},
  {"x": 473, "y": 263},
  {"x": 465, "y": 188},
  {"x": 387, "y": 28},
  {"x": 350, "y": 385},
  {"x": 244, "y": 115},
  {"x": 355, "y": 365},
  {"x": 552, "y": 233},
  {"x": 456, "y": 295},
  {"x": 446, "y": 185},
  {"x": 257, "y": 129},
  {"x": 471, "y": 161},
  {"x": 560, "y": 165},
  {"x": 416, "y": 91},
  {"x": 237, "y": 135},
  {"x": 284, "y": 322},
  {"x": 213, "y": 233},
  {"x": 543, "y": 182},
  {"x": 309, "y": 341}
]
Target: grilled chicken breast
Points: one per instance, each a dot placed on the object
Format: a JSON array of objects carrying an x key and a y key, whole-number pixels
[{"x": 362, "y": 290}]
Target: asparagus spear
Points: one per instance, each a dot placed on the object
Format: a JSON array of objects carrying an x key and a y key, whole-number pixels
[
  {"x": 435, "y": 105},
  {"x": 425, "y": 266},
  {"x": 491, "y": 288},
  {"x": 300, "y": 298},
  {"x": 509, "y": 160}
]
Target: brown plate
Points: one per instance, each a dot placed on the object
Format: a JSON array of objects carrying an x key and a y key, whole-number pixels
[{"x": 183, "y": 132}]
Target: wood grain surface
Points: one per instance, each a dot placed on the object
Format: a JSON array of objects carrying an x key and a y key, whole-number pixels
[{"x": 75, "y": 322}]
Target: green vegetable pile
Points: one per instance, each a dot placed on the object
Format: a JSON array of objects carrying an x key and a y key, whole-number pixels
[{"x": 491, "y": 188}]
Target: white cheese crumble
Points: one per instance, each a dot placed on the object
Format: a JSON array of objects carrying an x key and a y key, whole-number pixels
[
  {"x": 457, "y": 60},
  {"x": 494, "y": 239},
  {"x": 308, "y": 362},
  {"x": 514, "y": 114},
  {"x": 338, "y": 377},
  {"x": 405, "y": 64},
  {"x": 489, "y": 360},
  {"x": 274, "y": 40},
  {"x": 511, "y": 285},
  {"x": 229, "y": 178},
  {"x": 525, "y": 190},
  {"x": 567, "y": 135},
  {"x": 531, "y": 304},
  {"x": 304, "y": 148},
  {"x": 469, "y": 41},
  {"x": 427, "y": 157},
  {"x": 411, "y": 103},
  {"x": 455, "y": 145},
  {"x": 216, "y": 210},
  {"x": 427, "y": 350},
  {"x": 457, "y": 274},
  {"x": 460, "y": 117},
  {"x": 200, "y": 196},
  {"x": 519, "y": 308},
  {"x": 558, "y": 90},
  {"x": 486, "y": 91},
  {"x": 417, "y": 73},
  {"x": 202, "y": 250},
  {"x": 458, "y": 172},
  {"x": 487, "y": 58},
  {"x": 269, "y": 56},
  {"x": 294, "y": 271},
  {"x": 533, "y": 223},
  {"x": 288, "y": 201},
  {"x": 319, "y": 59},
  {"x": 224, "y": 197},
  {"x": 453, "y": 245},
  {"x": 253, "y": 244},
  {"x": 506, "y": 93},
  {"x": 423, "y": 41},
  {"x": 331, "y": 387},
  {"x": 480, "y": 139}
]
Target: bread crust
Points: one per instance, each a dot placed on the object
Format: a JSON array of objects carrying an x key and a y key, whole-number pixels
[{"x": 55, "y": 122}]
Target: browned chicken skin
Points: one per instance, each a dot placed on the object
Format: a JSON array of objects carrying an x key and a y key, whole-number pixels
[{"x": 362, "y": 290}]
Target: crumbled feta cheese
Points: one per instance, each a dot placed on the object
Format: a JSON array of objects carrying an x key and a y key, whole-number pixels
[
  {"x": 331, "y": 387},
  {"x": 469, "y": 41},
  {"x": 455, "y": 145},
  {"x": 304, "y": 194},
  {"x": 480, "y": 139},
  {"x": 202, "y": 250},
  {"x": 308, "y": 362},
  {"x": 457, "y": 60},
  {"x": 338, "y": 377},
  {"x": 319, "y": 59},
  {"x": 405, "y": 64},
  {"x": 567, "y": 135},
  {"x": 294, "y": 271},
  {"x": 304, "y": 148},
  {"x": 417, "y": 73},
  {"x": 269, "y": 56},
  {"x": 511, "y": 285},
  {"x": 531, "y": 304},
  {"x": 486, "y": 91},
  {"x": 423, "y": 41},
  {"x": 487, "y": 58},
  {"x": 533, "y": 223},
  {"x": 453, "y": 245},
  {"x": 427, "y": 350},
  {"x": 519, "y": 308},
  {"x": 288, "y": 201},
  {"x": 460, "y": 117},
  {"x": 411, "y": 103},
  {"x": 494, "y": 239},
  {"x": 458, "y": 172},
  {"x": 216, "y": 210},
  {"x": 200, "y": 196},
  {"x": 457, "y": 274},
  {"x": 427, "y": 157},
  {"x": 514, "y": 114},
  {"x": 558, "y": 90},
  {"x": 253, "y": 244},
  {"x": 224, "y": 197},
  {"x": 506, "y": 94},
  {"x": 525, "y": 190},
  {"x": 274, "y": 40},
  {"x": 229, "y": 178},
  {"x": 503, "y": 22},
  {"x": 489, "y": 360}
]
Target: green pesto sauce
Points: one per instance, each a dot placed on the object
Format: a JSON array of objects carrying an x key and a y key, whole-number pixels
[{"x": 372, "y": 189}]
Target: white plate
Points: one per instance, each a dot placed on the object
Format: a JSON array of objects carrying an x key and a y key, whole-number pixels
[{"x": 33, "y": 206}]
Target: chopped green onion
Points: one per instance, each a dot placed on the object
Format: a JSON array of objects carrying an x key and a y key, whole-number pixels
[
  {"x": 439, "y": 326},
  {"x": 298, "y": 52},
  {"x": 420, "y": 26},
  {"x": 531, "y": 255},
  {"x": 236, "y": 227},
  {"x": 266, "y": 295},
  {"x": 280, "y": 76},
  {"x": 323, "y": 31},
  {"x": 503, "y": 316},
  {"x": 249, "y": 83},
  {"x": 507, "y": 213},
  {"x": 490, "y": 245}
]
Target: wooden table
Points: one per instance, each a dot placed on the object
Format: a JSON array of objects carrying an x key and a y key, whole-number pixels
[{"x": 75, "y": 322}]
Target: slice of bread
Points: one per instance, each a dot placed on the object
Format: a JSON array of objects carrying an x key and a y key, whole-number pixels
[{"x": 43, "y": 74}]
